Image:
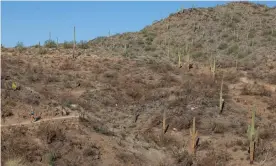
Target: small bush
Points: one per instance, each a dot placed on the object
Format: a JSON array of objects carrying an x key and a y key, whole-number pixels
[
  {"x": 218, "y": 128},
  {"x": 255, "y": 90},
  {"x": 83, "y": 45},
  {"x": 42, "y": 51},
  {"x": 251, "y": 34},
  {"x": 20, "y": 46},
  {"x": 150, "y": 48},
  {"x": 233, "y": 49},
  {"x": 222, "y": 46},
  {"x": 50, "y": 44},
  {"x": 68, "y": 45},
  {"x": 197, "y": 54},
  {"x": 267, "y": 32}
]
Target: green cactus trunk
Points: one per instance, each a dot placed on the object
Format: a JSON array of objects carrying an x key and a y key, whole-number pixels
[
  {"x": 179, "y": 60},
  {"x": 252, "y": 136},
  {"x": 214, "y": 69},
  {"x": 221, "y": 100},
  {"x": 74, "y": 44},
  {"x": 188, "y": 57},
  {"x": 164, "y": 122},
  {"x": 193, "y": 134}
]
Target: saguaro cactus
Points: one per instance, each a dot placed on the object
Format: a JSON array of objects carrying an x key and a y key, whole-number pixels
[
  {"x": 221, "y": 100},
  {"x": 179, "y": 60},
  {"x": 57, "y": 42},
  {"x": 164, "y": 122},
  {"x": 188, "y": 57},
  {"x": 194, "y": 137},
  {"x": 252, "y": 136},
  {"x": 74, "y": 44},
  {"x": 213, "y": 67}
]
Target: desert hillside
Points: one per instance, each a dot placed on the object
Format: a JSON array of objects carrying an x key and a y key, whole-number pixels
[{"x": 180, "y": 92}]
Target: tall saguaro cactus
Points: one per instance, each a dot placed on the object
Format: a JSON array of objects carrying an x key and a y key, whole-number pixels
[
  {"x": 188, "y": 57},
  {"x": 194, "y": 136},
  {"x": 179, "y": 59},
  {"x": 57, "y": 42},
  {"x": 74, "y": 44},
  {"x": 213, "y": 67},
  {"x": 252, "y": 134},
  {"x": 164, "y": 122},
  {"x": 221, "y": 100}
]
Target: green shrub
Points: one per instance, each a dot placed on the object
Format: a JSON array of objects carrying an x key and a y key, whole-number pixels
[
  {"x": 251, "y": 34},
  {"x": 222, "y": 46},
  {"x": 197, "y": 54},
  {"x": 42, "y": 51},
  {"x": 150, "y": 48},
  {"x": 68, "y": 45},
  {"x": 83, "y": 44},
  {"x": 50, "y": 44},
  {"x": 233, "y": 49},
  {"x": 224, "y": 35},
  {"x": 20, "y": 46}
]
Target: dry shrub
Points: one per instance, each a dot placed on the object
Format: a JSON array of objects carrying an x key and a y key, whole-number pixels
[
  {"x": 272, "y": 103},
  {"x": 232, "y": 77},
  {"x": 264, "y": 150},
  {"x": 182, "y": 157},
  {"x": 255, "y": 90},
  {"x": 110, "y": 74},
  {"x": 129, "y": 158},
  {"x": 51, "y": 78},
  {"x": 50, "y": 133},
  {"x": 212, "y": 158},
  {"x": 14, "y": 162},
  {"x": 6, "y": 112},
  {"x": 100, "y": 128},
  {"x": 168, "y": 80},
  {"x": 271, "y": 78},
  {"x": 67, "y": 65},
  {"x": 160, "y": 67},
  {"x": 16, "y": 142},
  {"x": 219, "y": 128},
  {"x": 134, "y": 93},
  {"x": 92, "y": 151},
  {"x": 181, "y": 122}
]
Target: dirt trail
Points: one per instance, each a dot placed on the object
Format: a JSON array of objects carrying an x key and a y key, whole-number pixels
[{"x": 41, "y": 120}]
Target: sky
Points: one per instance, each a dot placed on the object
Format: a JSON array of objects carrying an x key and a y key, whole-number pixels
[{"x": 31, "y": 22}]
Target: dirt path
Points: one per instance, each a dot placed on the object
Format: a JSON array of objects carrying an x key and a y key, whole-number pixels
[{"x": 41, "y": 120}]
